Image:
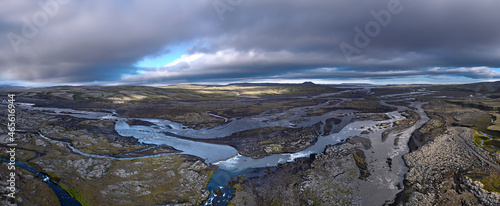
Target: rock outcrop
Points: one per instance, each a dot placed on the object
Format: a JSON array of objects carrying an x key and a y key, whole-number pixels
[
  {"x": 438, "y": 173},
  {"x": 329, "y": 178}
]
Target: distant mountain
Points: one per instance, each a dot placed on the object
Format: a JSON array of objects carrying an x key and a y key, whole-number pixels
[
  {"x": 484, "y": 87},
  {"x": 258, "y": 84},
  {"x": 11, "y": 87},
  {"x": 309, "y": 83}
]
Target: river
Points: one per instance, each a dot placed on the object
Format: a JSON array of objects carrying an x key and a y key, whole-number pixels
[
  {"x": 231, "y": 163},
  {"x": 64, "y": 197}
]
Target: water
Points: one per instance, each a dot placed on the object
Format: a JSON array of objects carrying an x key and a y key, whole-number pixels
[
  {"x": 220, "y": 181},
  {"x": 64, "y": 197},
  {"x": 240, "y": 162},
  {"x": 151, "y": 135},
  {"x": 381, "y": 187},
  {"x": 230, "y": 162},
  {"x": 490, "y": 138},
  {"x": 73, "y": 149},
  {"x": 235, "y": 125},
  {"x": 226, "y": 156}
]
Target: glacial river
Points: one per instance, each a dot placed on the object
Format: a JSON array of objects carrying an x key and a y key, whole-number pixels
[{"x": 230, "y": 162}]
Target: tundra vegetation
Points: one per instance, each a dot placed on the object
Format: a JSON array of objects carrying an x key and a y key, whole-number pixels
[{"x": 453, "y": 157}]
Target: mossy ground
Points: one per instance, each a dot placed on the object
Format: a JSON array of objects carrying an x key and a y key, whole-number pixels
[
  {"x": 191, "y": 106},
  {"x": 486, "y": 142},
  {"x": 367, "y": 106},
  {"x": 260, "y": 142},
  {"x": 120, "y": 94},
  {"x": 490, "y": 181},
  {"x": 94, "y": 181}
]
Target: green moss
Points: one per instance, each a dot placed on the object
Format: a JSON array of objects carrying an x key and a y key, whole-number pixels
[
  {"x": 358, "y": 159},
  {"x": 74, "y": 193},
  {"x": 53, "y": 176},
  {"x": 491, "y": 183},
  {"x": 477, "y": 140},
  {"x": 237, "y": 186},
  {"x": 478, "y": 137},
  {"x": 492, "y": 142},
  {"x": 486, "y": 142},
  {"x": 275, "y": 203}
]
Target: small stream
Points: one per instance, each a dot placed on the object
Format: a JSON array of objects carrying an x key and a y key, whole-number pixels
[
  {"x": 64, "y": 197},
  {"x": 489, "y": 138}
]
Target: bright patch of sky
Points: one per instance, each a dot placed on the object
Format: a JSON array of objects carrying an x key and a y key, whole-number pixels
[{"x": 171, "y": 54}]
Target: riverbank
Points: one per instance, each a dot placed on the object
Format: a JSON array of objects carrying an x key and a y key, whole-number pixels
[
  {"x": 365, "y": 169},
  {"x": 446, "y": 166},
  {"x": 123, "y": 170},
  {"x": 343, "y": 147}
]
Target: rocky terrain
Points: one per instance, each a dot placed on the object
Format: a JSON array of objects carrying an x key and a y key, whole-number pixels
[
  {"x": 447, "y": 166},
  {"x": 257, "y": 143},
  {"x": 329, "y": 178},
  {"x": 172, "y": 179},
  {"x": 453, "y": 158},
  {"x": 440, "y": 172}
]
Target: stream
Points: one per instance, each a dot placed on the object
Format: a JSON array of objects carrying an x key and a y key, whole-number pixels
[
  {"x": 64, "y": 197},
  {"x": 386, "y": 179},
  {"x": 232, "y": 164}
]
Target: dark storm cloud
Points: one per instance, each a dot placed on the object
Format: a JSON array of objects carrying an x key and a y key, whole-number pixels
[
  {"x": 102, "y": 40},
  {"x": 92, "y": 40},
  {"x": 423, "y": 34}
]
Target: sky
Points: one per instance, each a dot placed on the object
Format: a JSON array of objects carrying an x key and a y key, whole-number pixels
[{"x": 162, "y": 42}]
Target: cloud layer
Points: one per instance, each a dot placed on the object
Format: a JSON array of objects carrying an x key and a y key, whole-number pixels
[{"x": 95, "y": 41}]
